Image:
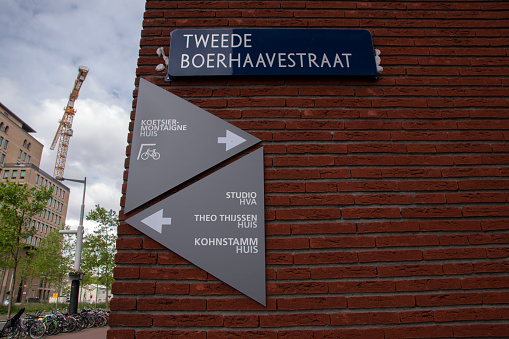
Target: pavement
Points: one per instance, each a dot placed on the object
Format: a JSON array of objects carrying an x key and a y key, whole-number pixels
[{"x": 89, "y": 333}]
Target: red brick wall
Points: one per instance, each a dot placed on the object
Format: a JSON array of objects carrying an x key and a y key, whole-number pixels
[{"x": 386, "y": 202}]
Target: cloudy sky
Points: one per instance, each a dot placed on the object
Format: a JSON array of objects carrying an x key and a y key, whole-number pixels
[{"x": 43, "y": 43}]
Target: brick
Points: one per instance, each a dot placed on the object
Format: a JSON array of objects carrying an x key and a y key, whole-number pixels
[
  {"x": 388, "y": 227},
  {"x": 428, "y": 284},
  {"x": 324, "y": 228},
  {"x": 184, "y": 320},
  {"x": 381, "y": 301},
  {"x": 255, "y": 334},
  {"x": 325, "y": 258},
  {"x": 306, "y": 214},
  {"x": 123, "y": 304},
  {"x": 285, "y": 320},
  {"x": 172, "y": 288},
  {"x": 350, "y": 333},
  {"x": 311, "y": 303},
  {"x": 239, "y": 304},
  {"x": 172, "y": 273},
  {"x": 407, "y": 241},
  {"x": 241, "y": 321},
  {"x": 171, "y": 304},
  {"x": 128, "y": 243},
  {"x": 133, "y": 288},
  {"x": 433, "y": 331},
  {"x": 173, "y": 334},
  {"x": 495, "y": 298},
  {"x": 481, "y": 330},
  {"x": 342, "y": 242},
  {"x": 347, "y": 287},
  {"x": 293, "y": 273},
  {"x": 448, "y": 299},
  {"x": 452, "y": 269},
  {"x": 120, "y": 334},
  {"x": 450, "y": 225},
  {"x": 295, "y": 334},
  {"x": 409, "y": 270},
  {"x": 371, "y": 213},
  {"x": 130, "y": 319},
  {"x": 343, "y": 272},
  {"x": 456, "y": 253},
  {"x": 417, "y": 317},
  {"x": 135, "y": 258},
  {"x": 126, "y": 272},
  {"x": 297, "y": 288},
  {"x": 398, "y": 255}
]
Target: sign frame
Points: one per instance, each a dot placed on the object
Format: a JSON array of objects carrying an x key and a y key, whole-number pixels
[{"x": 270, "y": 52}]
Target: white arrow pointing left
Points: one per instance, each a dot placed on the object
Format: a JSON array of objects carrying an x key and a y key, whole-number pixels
[
  {"x": 156, "y": 221},
  {"x": 231, "y": 140}
]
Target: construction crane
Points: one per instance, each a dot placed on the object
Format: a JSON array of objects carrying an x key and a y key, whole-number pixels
[{"x": 64, "y": 132}]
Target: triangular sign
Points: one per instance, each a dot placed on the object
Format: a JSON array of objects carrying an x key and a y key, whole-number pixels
[
  {"x": 173, "y": 141},
  {"x": 217, "y": 224}
]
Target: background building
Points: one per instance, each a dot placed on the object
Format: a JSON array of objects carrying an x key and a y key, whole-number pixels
[
  {"x": 386, "y": 201},
  {"x": 20, "y": 156}
]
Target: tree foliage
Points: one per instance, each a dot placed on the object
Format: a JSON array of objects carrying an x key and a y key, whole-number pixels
[
  {"x": 99, "y": 247},
  {"x": 52, "y": 259},
  {"x": 18, "y": 204}
]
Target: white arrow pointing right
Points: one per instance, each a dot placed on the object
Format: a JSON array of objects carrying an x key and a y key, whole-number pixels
[
  {"x": 156, "y": 221},
  {"x": 231, "y": 140}
]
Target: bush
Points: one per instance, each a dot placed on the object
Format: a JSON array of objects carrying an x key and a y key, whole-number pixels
[{"x": 46, "y": 307}]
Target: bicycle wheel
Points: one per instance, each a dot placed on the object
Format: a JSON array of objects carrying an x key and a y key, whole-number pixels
[
  {"x": 14, "y": 333},
  {"x": 51, "y": 327},
  {"x": 37, "y": 330},
  {"x": 70, "y": 324}
]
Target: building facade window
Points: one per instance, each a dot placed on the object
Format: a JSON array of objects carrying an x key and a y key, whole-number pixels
[
  {"x": 22, "y": 174},
  {"x": 14, "y": 174}
]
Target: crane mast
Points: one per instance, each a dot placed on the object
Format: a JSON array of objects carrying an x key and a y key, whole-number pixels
[{"x": 64, "y": 131}]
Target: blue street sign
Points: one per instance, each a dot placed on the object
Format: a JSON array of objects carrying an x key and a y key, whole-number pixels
[{"x": 323, "y": 52}]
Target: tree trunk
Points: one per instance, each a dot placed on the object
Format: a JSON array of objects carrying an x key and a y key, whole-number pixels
[
  {"x": 13, "y": 286},
  {"x": 107, "y": 292}
]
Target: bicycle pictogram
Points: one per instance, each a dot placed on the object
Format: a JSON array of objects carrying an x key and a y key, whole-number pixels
[{"x": 149, "y": 152}]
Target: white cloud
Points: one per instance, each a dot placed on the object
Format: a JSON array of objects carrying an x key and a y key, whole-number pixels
[{"x": 43, "y": 44}]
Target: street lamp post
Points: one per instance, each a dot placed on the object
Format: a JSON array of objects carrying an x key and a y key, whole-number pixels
[{"x": 75, "y": 284}]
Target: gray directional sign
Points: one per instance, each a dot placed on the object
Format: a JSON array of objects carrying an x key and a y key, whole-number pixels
[
  {"x": 218, "y": 224},
  {"x": 174, "y": 141}
]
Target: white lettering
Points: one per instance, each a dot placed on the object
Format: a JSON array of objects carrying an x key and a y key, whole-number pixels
[
  {"x": 220, "y": 60},
  {"x": 292, "y": 61},
  {"x": 260, "y": 60},
  {"x": 269, "y": 60},
  {"x": 337, "y": 60},
  {"x": 210, "y": 60},
  {"x": 187, "y": 39},
  {"x": 194, "y": 59},
  {"x": 281, "y": 58},
  {"x": 215, "y": 40},
  {"x": 184, "y": 63},
  {"x": 239, "y": 39},
  {"x": 312, "y": 59},
  {"x": 247, "y": 60},
  {"x": 325, "y": 60},
  {"x": 224, "y": 40},
  {"x": 201, "y": 40},
  {"x": 347, "y": 60}
]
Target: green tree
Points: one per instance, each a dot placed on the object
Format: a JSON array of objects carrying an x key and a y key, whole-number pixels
[
  {"x": 52, "y": 259},
  {"x": 18, "y": 204},
  {"x": 99, "y": 247}
]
